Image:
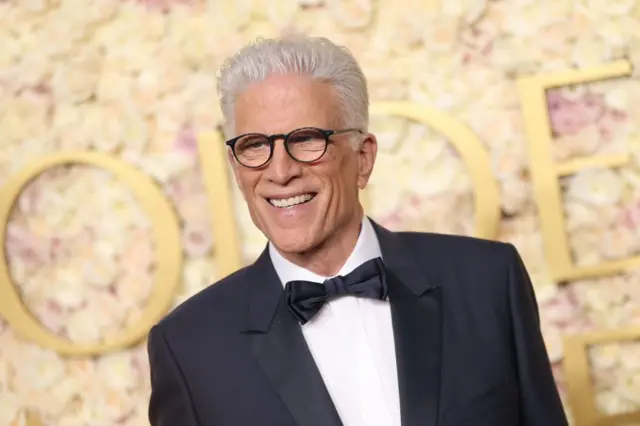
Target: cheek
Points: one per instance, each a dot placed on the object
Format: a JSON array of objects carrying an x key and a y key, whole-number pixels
[{"x": 247, "y": 184}]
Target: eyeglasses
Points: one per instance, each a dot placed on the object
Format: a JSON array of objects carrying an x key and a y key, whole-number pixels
[{"x": 305, "y": 145}]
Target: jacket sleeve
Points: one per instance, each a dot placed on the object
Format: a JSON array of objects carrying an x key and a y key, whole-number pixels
[
  {"x": 170, "y": 403},
  {"x": 540, "y": 400}
]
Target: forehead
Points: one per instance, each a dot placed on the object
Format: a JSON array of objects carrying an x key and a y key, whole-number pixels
[{"x": 282, "y": 103}]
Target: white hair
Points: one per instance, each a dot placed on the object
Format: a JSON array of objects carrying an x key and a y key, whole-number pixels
[{"x": 316, "y": 57}]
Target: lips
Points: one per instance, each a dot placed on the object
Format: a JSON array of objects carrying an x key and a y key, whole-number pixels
[{"x": 287, "y": 202}]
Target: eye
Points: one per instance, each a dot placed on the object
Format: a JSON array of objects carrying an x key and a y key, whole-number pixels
[
  {"x": 251, "y": 143},
  {"x": 307, "y": 139}
]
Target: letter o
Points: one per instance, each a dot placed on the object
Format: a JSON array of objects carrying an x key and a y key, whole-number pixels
[
  {"x": 486, "y": 195},
  {"x": 167, "y": 241}
]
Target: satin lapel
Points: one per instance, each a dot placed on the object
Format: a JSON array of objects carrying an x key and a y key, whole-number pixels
[
  {"x": 417, "y": 327},
  {"x": 280, "y": 349}
]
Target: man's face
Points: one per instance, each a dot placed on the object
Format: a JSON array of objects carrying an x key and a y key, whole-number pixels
[{"x": 280, "y": 104}]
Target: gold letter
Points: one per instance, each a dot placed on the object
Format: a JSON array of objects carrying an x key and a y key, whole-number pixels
[
  {"x": 474, "y": 156},
  {"x": 168, "y": 254},
  {"x": 545, "y": 172},
  {"x": 580, "y": 389}
]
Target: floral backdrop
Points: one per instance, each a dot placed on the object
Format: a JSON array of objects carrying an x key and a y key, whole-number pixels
[{"x": 136, "y": 79}]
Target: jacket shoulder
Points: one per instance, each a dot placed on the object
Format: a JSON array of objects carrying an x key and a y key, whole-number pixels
[{"x": 459, "y": 249}]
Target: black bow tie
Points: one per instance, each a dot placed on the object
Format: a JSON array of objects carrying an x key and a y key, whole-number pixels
[{"x": 305, "y": 298}]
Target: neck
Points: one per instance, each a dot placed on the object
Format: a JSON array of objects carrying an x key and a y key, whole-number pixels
[{"x": 327, "y": 258}]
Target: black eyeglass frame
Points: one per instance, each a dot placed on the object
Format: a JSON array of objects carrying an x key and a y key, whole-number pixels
[{"x": 271, "y": 139}]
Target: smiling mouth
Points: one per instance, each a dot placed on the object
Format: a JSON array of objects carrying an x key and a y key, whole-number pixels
[{"x": 284, "y": 203}]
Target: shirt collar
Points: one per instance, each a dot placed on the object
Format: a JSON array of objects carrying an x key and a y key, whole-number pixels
[{"x": 367, "y": 247}]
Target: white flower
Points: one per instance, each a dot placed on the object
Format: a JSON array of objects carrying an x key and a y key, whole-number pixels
[
  {"x": 598, "y": 187},
  {"x": 604, "y": 357},
  {"x": 526, "y": 21},
  {"x": 618, "y": 243},
  {"x": 77, "y": 80},
  {"x": 611, "y": 403},
  {"x": 99, "y": 272},
  {"x": 586, "y": 246},
  {"x": 107, "y": 406},
  {"x": 599, "y": 9},
  {"x": 38, "y": 368},
  {"x": 197, "y": 274},
  {"x": 117, "y": 371},
  {"x": 351, "y": 14},
  {"x": 515, "y": 195},
  {"x": 234, "y": 14},
  {"x": 583, "y": 143},
  {"x": 133, "y": 289},
  {"x": 34, "y": 68},
  {"x": 389, "y": 131},
  {"x": 436, "y": 177},
  {"x": 10, "y": 408},
  {"x": 469, "y": 10},
  {"x": 617, "y": 31},
  {"x": 67, "y": 287},
  {"x": 65, "y": 390},
  {"x": 114, "y": 85},
  {"x": 553, "y": 342},
  {"x": 600, "y": 299},
  {"x": 580, "y": 216},
  {"x": 165, "y": 166},
  {"x": 97, "y": 320},
  {"x": 25, "y": 118},
  {"x": 4, "y": 375},
  {"x": 192, "y": 206},
  {"x": 67, "y": 127},
  {"x": 81, "y": 327},
  {"x": 384, "y": 194},
  {"x": 49, "y": 314},
  {"x": 197, "y": 239},
  {"x": 282, "y": 12},
  {"x": 629, "y": 389},
  {"x": 589, "y": 51}
]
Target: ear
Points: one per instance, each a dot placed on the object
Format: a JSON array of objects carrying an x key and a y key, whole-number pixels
[{"x": 366, "y": 159}]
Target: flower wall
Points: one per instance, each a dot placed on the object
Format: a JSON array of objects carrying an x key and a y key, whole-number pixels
[{"x": 136, "y": 79}]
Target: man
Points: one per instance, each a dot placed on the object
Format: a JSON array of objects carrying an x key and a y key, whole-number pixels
[{"x": 340, "y": 321}]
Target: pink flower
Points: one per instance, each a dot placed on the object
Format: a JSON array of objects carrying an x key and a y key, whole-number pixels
[
  {"x": 50, "y": 314},
  {"x": 27, "y": 246},
  {"x": 138, "y": 255},
  {"x": 630, "y": 216},
  {"x": 558, "y": 375},
  {"x": 186, "y": 140},
  {"x": 29, "y": 200},
  {"x": 197, "y": 239},
  {"x": 392, "y": 221},
  {"x": 612, "y": 123},
  {"x": 564, "y": 312},
  {"x": 569, "y": 117},
  {"x": 165, "y": 5},
  {"x": 184, "y": 185},
  {"x": 60, "y": 250}
]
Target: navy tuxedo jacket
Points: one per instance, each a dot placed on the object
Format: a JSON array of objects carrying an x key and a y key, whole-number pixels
[{"x": 469, "y": 350}]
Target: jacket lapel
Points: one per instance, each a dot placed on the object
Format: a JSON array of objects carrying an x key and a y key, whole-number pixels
[
  {"x": 417, "y": 327},
  {"x": 280, "y": 349}
]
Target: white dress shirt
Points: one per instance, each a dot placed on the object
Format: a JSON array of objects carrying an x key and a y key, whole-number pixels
[{"x": 351, "y": 340}]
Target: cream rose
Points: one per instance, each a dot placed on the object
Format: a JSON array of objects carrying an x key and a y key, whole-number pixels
[{"x": 597, "y": 187}]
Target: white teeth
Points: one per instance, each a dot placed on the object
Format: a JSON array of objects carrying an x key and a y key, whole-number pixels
[{"x": 290, "y": 202}]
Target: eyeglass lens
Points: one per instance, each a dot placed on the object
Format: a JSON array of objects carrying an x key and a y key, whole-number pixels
[{"x": 304, "y": 145}]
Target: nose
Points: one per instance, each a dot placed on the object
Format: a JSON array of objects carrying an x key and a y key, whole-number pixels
[{"x": 282, "y": 168}]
